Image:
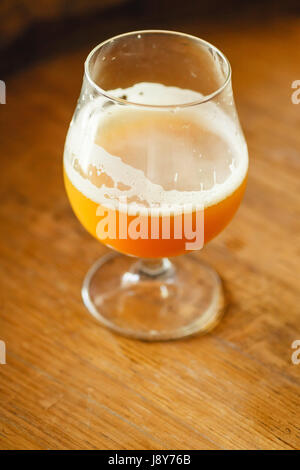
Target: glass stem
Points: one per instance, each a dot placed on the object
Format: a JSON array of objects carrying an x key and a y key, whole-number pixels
[{"x": 154, "y": 267}]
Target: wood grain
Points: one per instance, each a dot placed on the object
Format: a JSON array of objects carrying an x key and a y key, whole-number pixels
[{"x": 71, "y": 384}]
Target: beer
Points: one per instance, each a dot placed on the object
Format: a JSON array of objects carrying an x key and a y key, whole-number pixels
[{"x": 156, "y": 164}]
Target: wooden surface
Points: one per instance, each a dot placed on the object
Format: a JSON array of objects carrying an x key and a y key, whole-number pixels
[{"x": 71, "y": 384}]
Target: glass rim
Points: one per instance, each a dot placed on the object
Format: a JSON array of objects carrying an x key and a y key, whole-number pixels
[{"x": 122, "y": 101}]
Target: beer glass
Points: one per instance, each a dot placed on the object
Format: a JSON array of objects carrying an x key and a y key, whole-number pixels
[{"x": 155, "y": 166}]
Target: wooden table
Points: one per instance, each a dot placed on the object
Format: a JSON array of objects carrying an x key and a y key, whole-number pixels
[{"x": 71, "y": 384}]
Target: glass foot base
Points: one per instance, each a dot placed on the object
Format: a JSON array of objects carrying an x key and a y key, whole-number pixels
[{"x": 153, "y": 302}]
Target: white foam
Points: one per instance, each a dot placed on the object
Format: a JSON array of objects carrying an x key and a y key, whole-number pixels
[{"x": 146, "y": 191}]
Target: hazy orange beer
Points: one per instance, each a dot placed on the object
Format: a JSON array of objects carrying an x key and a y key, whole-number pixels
[
  {"x": 137, "y": 136},
  {"x": 216, "y": 217}
]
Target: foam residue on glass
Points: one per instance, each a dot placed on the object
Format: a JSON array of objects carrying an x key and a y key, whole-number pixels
[{"x": 158, "y": 158}]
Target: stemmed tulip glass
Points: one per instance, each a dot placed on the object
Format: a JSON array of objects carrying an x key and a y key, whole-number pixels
[{"x": 155, "y": 166}]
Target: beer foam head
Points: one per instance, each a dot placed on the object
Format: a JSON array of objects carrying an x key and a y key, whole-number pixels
[{"x": 155, "y": 158}]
